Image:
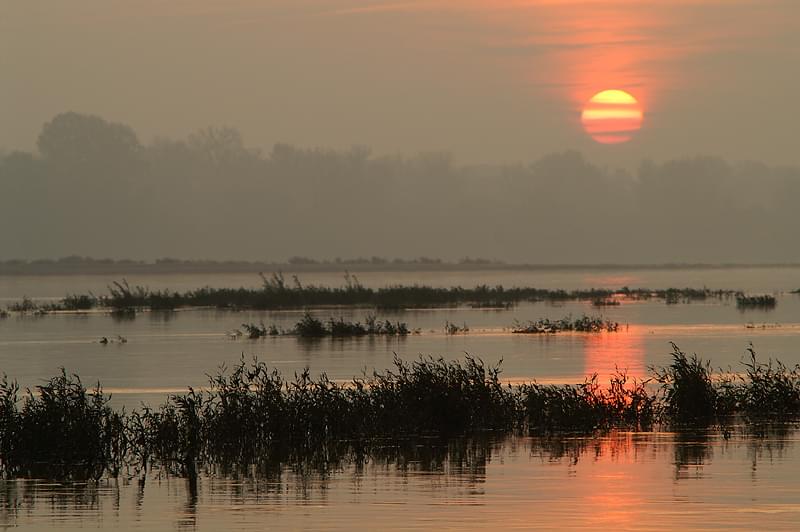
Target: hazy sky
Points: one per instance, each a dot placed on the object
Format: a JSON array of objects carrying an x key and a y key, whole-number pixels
[{"x": 488, "y": 80}]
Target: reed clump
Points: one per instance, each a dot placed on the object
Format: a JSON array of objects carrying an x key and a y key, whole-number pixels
[
  {"x": 764, "y": 391},
  {"x": 276, "y": 292},
  {"x": 689, "y": 394},
  {"x": 589, "y": 406},
  {"x": 253, "y": 411},
  {"x": 255, "y": 332},
  {"x": 122, "y": 296},
  {"x": 78, "y": 302},
  {"x": 253, "y": 414},
  {"x": 311, "y": 327},
  {"x": 25, "y": 306},
  {"x": 451, "y": 328},
  {"x": 590, "y": 324},
  {"x": 606, "y": 302},
  {"x": 764, "y": 301},
  {"x": 61, "y": 431}
]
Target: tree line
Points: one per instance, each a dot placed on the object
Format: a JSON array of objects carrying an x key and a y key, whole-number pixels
[{"x": 93, "y": 187}]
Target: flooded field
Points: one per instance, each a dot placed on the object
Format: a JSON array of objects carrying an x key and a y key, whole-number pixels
[
  {"x": 167, "y": 351},
  {"x": 626, "y": 481}
]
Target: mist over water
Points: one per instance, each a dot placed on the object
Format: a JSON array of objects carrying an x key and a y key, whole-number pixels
[
  {"x": 94, "y": 188},
  {"x": 423, "y": 146}
]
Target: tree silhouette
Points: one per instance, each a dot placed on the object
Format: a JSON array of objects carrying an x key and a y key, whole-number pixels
[{"x": 78, "y": 141}]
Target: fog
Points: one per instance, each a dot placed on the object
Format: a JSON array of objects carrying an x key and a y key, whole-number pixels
[
  {"x": 262, "y": 130},
  {"x": 486, "y": 80},
  {"x": 93, "y": 188}
]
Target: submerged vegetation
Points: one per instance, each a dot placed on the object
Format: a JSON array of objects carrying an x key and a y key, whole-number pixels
[
  {"x": 252, "y": 414},
  {"x": 26, "y": 305},
  {"x": 606, "y": 302},
  {"x": 79, "y": 302},
  {"x": 61, "y": 431},
  {"x": 276, "y": 293},
  {"x": 765, "y": 301},
  {"x": 591, "y": 324},
  {"x": 451, "y": 328},
  {"x": 311, "y": 327}
]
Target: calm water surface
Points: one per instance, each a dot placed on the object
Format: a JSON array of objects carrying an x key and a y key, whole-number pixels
[
  {"x": 166, "y": 352},
  {"x": 624, "y": 481},
  {"x": 777, "y": 279}
]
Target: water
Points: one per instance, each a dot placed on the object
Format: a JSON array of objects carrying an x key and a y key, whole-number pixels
[
  {"x": 771, "y": 279},
  {"x": 166, "y": 352},
  {"x": 623, "y": 481}
]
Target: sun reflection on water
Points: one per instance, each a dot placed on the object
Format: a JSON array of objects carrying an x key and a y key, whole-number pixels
[{"x": 607, "y": 352}]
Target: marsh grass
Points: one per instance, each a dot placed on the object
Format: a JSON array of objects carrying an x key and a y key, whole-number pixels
[
  {"x": 26, "y": 305},
  {"x": 765, "y": 390},
  {"x": 251, "y": 414},
  {"x": 61, "y": 431},
  {"x": 311, "y": 327},
  {"x": 253, "y": 411},
  {"x": 451, "y": 328},
  {"x": 589, "y": 406},
  {"x": 123, "y": 296},
  {"x": 276, "y": 292},
  {"x": 765, "y": 301},
  {"x": 255, "y": 332},
  {"x": 79, "y": 302},
  {"x": 606, "y": 302},
  {"x": 689, "y": 395},
  {"x": 591, "y": 324}
]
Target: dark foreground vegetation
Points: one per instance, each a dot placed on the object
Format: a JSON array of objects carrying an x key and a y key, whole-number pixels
[
  {"x": 252, "y": 414},
  {"x": 276, "y": 293}
]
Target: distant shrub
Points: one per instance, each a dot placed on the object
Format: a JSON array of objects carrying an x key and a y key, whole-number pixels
[
  {"x": 311, "y": 327},
  {"x": 763, "y": 301},
  {"x": 26, "y": 305},
  {"x": 79, "y": 302},
  {"x": 582, "y": 324}
]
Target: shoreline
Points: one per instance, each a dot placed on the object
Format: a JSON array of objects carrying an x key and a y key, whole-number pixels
[{"x": 56, "y": 268}]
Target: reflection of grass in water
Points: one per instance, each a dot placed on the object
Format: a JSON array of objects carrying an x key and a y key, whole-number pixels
[
  {"x": 456, "y": 462},
  {"x": 251, "y": 414}
]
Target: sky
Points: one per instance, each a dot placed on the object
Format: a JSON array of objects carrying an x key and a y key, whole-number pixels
[{"x": 488, "y": 81}]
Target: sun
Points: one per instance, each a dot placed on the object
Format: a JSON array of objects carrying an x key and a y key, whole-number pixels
[{"x": 612, "y": 116}]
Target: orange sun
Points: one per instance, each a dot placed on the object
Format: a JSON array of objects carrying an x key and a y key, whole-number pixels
[{"x": 612, "y": 116}]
